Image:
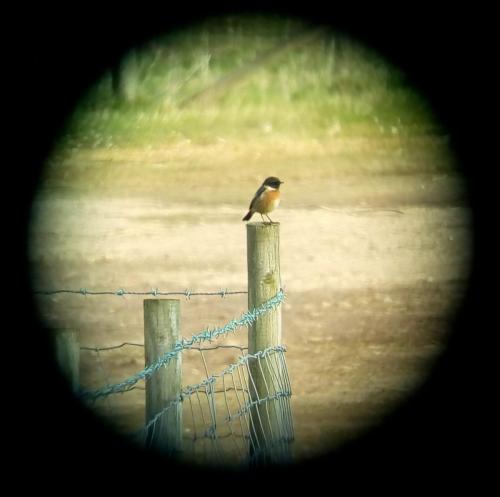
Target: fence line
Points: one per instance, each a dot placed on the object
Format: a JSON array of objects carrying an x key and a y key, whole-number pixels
[
  {"x": 221, "y": 420},
  {"x": 237, "y": 413},
  {"x": 154, "y": 291},
  {"x": 191, "y": 389},
  {"x": 208, "y": 334},
  {"x": 113, "y": 347},
  {"x": 238, "y": 407}
]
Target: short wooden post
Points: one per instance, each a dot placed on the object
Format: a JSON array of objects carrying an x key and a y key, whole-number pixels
[
  {"x": 161, "y": 332},
  {"x": 68, "y": 356},
  {"x": 263, "y": 283}
]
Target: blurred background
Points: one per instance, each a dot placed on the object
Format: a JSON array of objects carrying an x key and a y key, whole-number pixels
[{"x": 157, "y": 164}]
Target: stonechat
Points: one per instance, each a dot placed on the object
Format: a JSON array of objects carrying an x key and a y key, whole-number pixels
[{"x": 266, "y": 199}]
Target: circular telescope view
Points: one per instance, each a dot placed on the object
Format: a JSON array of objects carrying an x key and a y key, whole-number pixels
[{"x": 250, "y": 242}]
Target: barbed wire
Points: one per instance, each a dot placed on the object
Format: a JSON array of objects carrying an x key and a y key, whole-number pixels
[
  {"x": 223, "y": 405},
  {"x": 258, "y": 420},
  {"x": 245, "y": 319},
  {"x": 210, "y": 380},
  {"x": 154, "y": 291},
  {"x": 112, "y": 347}
]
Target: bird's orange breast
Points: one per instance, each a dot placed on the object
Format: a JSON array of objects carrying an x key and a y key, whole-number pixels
[{"x": 267, "y": 201}]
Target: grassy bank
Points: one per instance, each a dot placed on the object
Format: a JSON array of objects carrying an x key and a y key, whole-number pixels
[{"x": 236, "y": 99}]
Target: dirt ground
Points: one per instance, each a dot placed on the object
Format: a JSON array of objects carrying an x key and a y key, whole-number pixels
[{"x": 369, "y": 292}]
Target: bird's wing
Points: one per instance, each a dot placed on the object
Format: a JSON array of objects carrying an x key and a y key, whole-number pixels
[{"x": 258, "y": 193}]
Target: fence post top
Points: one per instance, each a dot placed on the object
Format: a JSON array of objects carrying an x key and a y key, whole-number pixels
[
  {"x": 64, "y": 330},
  {"x": 262, "y": 225},
  {"x": 161, "y": 300}
]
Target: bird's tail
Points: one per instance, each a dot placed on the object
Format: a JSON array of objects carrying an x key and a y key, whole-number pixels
[{"x": 248, "y": 216}]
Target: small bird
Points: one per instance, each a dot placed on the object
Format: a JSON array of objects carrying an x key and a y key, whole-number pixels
[{"x": 266, "y": 199}]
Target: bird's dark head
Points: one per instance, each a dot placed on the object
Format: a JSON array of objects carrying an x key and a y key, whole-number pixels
[{"x": 273, "y": 182}]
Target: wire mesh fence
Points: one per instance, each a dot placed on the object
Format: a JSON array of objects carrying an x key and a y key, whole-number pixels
[
  {"x": 221, "y": 414},
  {"x": 226, "y": 417}
]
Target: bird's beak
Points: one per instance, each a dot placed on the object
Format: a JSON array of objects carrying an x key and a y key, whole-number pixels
[{"x": 281, "y": 182}]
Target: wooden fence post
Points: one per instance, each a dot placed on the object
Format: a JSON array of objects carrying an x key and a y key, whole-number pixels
[
  {"x": 68, "y": 356},
  {"x": 161, "y": 332},
  {"x": 263, "y": 283}
]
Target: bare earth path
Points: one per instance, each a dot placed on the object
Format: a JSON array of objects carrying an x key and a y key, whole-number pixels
[{"x": 369, "y": 294}]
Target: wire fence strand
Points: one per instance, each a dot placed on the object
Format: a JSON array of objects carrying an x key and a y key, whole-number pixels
[
  {"x": 154, "y": 292},
  {"x": 206, "y": 335},
  {"x": 112, "y": 347},
  {"x": 224, "y": 420},
  {"x": 235, "y": 411}
]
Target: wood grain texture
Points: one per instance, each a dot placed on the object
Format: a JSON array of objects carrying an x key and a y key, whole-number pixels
[{"x": 161, "y": 331}]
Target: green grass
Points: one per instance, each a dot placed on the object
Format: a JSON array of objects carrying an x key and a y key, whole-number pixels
[
  {"x": 316, "y": 88},
  {"x": 324, "y": 104}
]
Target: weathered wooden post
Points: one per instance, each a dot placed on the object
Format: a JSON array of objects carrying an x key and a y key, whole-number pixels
[
  {"x": 161, "y": 332},
  {"x": 67, "y": 350},
  {"x": 263, "y": 283}
]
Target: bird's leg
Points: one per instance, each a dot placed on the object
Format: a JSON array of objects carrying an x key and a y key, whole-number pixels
[
  {"x": 270, "y": 220},
  {"x": 262, "y": 218}
]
